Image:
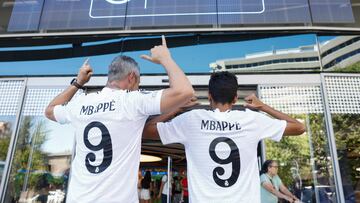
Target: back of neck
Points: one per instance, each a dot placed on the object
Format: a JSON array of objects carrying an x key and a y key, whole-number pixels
[{"x": 222, "y": 107}]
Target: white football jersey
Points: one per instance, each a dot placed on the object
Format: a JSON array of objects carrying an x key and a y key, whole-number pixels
[
  {"x": 221, "y": 152},
  {"x": 109, "y": 126}
]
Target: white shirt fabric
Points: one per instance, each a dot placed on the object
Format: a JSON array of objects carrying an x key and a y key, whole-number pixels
[
  {"x": 109, "y": 127},
  {"x": 240, "y": 131},
  {"x": 165, "y": 189}
]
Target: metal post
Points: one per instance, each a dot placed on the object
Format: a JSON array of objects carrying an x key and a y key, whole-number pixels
[
  {"x": 12, "y": 145},
  {"x": 168, "y": 180},
  {"x": 332, "y": 145},
  {"x": 319, "y": 52},
  {"x": 312, "y": 158}
]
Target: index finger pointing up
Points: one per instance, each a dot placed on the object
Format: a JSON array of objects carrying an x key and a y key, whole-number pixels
[
  {"x": 163, "y": 40},
  {"x": 86, "y": 62}
]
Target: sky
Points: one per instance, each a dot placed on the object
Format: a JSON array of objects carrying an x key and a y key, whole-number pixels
[{"x": 192, "y": 59}]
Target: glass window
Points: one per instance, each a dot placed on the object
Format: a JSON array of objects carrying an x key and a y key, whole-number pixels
[
  {"x": 340, "y": 53},
  {"x": 344, "y": 100},
  {"x": 10, "y": 99},
  {"x": 305, "y": 165},
  {"x": 41, "y": 163}
]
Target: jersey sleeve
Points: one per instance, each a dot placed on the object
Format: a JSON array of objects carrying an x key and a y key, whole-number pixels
[
  {"x": 145, "y": 103},
  {"x": 269, "y": 127},
  {"x": 173, "y": 131},
  {"x": 62, "y": 114}
]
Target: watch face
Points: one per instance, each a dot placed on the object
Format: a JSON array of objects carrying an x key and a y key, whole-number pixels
[{"x": 73, "y": 80}]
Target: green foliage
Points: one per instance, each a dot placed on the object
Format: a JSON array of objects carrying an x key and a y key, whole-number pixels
[
  {"x": 5, "y": 136},
  {"x": 32, "y": 135},
  {"x": 322, "y": 162},
  {"x": 347, "y": 135},
  {"x": 4, "y": 145},
  {"x": 295, "y": 151},
  {"x": 354, "y": 68},
  {"x": 291, "y": 151},
  {"x": 57, "y": 181}
]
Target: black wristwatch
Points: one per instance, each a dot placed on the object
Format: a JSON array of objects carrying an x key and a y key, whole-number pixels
[{"x": 76, "y": 84}]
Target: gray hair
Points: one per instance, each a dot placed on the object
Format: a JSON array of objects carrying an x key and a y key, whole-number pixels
[{"x": 121, "y": 66}]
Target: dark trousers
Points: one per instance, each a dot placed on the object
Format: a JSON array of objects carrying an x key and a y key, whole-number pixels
[{"x": 163, "y": 198}]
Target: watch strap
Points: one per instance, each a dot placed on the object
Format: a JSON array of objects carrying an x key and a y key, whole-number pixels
[{"x": 76, "y": 84}]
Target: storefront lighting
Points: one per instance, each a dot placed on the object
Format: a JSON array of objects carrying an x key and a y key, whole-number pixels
[{"x": 149, "y": 158}]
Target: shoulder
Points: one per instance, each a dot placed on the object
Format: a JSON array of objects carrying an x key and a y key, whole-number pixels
[
  {"x": 264, "y": 178},
  {"x": 277, "y": 178},
  {"x": 190, "y": 115},
  {"x": 200, "y": 112},
  {"x": 251, "y": 112},
  {"x": 143, "y": 93}
]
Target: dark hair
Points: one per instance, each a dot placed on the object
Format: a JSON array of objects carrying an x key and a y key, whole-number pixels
[
  {"x": 223, "y": 87},
  {"x": 145, "y": 183},
  {"x": 265, "y": 166}
]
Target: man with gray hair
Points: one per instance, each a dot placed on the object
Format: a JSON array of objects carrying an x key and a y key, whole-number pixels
[{"x": 109, "y": 126}]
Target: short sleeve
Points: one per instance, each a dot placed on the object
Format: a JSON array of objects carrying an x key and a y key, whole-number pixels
[
  {"x": 145, "y": 102},
  {"x": 264, "y": 179},
  {"x": 269, "y": 127},
  {"x": 164, "y": 178},
  {"x": 173, "y": 131},
  {"x": 62, "y": 114},
  {"x": 278, "y": 180}
]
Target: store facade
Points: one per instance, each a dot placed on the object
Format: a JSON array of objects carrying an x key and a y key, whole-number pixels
[{"x": 300, "y": 56}]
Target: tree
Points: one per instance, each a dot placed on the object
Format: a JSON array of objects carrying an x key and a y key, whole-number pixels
[
  {"x": 309, "y": 151},
  {"x": 347, "y": 135},
  {"x": 354, "y": 68},
  {"x": 28, "y": 160},
  {"x": 5, "y": 136}
]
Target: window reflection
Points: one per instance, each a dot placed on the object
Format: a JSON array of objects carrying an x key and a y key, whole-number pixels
[
  {"x": 276, "y": 54},
  {"x": 6, "y": 129},
  {"x": 305, "y": 161},
  {"x": 340, "y": 53},
  {"x": 347, "y": 135},
  {"x": 41, "y": 164},
  {"x": 305, "y": 164}
]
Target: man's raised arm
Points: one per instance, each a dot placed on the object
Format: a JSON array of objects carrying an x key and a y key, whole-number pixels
[
  {"x": 180, "y": 90},
  {"x": 83, "y": 77},
  {"x": 293, "y": 126}
]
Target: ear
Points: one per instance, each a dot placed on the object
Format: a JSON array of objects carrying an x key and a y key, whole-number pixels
[
  {"x": 131, "y": 76},
  {"x": 209, "y": 97}
]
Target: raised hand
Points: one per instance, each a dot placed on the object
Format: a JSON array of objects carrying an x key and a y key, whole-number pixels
[
  {"x": 193, "y": 102},
  {"x": 159, "y": 54},
  {"x": 252, "y": 102},
  {"x": 85, "y": 73}
]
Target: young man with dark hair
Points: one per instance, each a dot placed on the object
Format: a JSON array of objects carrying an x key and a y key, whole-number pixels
[{"x": 221, "y": 144}]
